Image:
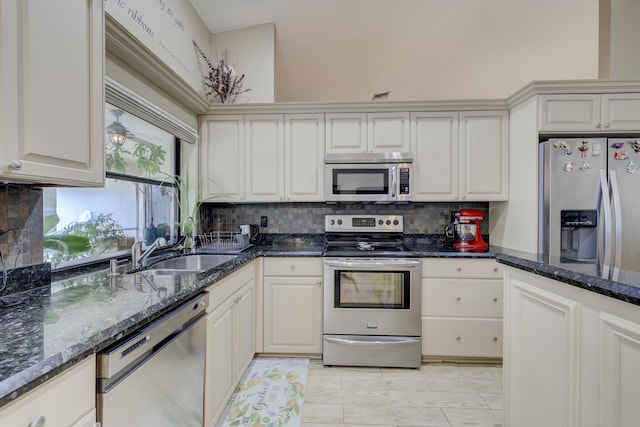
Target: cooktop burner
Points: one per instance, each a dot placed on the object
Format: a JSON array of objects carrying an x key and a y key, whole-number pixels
[{"x": 364, "y": 235}]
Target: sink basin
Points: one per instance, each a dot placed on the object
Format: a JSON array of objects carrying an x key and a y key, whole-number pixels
[{"x": 188, "y": 264}]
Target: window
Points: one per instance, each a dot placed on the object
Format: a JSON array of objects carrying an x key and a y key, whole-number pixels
[{"x": 137, "y": 202}]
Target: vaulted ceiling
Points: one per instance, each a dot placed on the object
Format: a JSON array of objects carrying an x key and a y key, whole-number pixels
[{"x": 226, "y": 15}]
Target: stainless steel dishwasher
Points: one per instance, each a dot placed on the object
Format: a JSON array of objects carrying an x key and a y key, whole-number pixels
[{"x": 156, "y": 377}]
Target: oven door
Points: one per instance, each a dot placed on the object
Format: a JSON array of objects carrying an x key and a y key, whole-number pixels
[{"x": 372, "y": 296}]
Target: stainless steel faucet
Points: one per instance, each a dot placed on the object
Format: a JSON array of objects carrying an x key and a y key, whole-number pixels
[{"x": 137, "y": 256}]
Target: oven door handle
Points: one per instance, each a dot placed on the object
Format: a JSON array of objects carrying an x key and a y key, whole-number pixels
[
  {"x": 382, "y": 264},
  {"x": 368, "y": 342}
]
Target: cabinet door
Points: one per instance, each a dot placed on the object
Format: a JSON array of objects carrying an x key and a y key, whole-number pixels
[
  {"x": 220, "y": 378},
  {"x": 434, "y": 142},
  {"x": 542, "y": 357},
  {"x": 222, "y": 158},
  {"x": 569, "y": 113},
  {"x": 243, "y": 323},
  {"x": 264, "y": 162},
  {"x": 484, "y": 159},
  {"x": 346, "y": 133},
  {"x": 619, "y": 371},
  {"x": 52, "y": 85},
  {"x": 304, "y": 157},
  {"x": 61, "y": 401},
  {"x": 88, "y": 420},
  {"x": 388, "y": 132},
  {"x": 293, "y": 314},
  {"x": 621, "y": 111}
]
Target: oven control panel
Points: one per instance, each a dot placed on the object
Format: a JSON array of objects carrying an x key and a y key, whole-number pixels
[{"x": 363, "y": 223}]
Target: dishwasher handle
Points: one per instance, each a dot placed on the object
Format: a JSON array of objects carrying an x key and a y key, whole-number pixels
[{"x": 121, "y": 355}]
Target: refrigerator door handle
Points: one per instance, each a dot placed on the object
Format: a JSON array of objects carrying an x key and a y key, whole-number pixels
[
  {"x": 617, "y": 215},
  {"x": 606, "y": 209}
]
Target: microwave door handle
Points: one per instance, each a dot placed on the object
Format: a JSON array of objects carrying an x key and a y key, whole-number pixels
[{"x": 393, "y": 181}]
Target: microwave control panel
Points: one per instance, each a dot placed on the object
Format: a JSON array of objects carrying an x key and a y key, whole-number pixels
[{"x": 405, "y": 179}]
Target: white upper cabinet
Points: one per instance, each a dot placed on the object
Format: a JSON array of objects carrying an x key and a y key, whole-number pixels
[
  {"x": 304, "y": 157},
  {"x": 388, "y": 132},
  {"x": 367, "y": 132},
  {"x": 346, "y": 133},
  {"x": 436, "y": 168},
  {"x": 460, "y": 156},
  {"x": 589, "y": 112},
  {"x": 52, "y": 85},
  {"x": 484, "y": 156},
  {"x": 222, "y": 158},
  {"x": 264, "y": 157}
]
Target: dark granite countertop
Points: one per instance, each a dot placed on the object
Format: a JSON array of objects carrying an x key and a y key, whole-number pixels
[
  {"x": 62, "y": 321},
  {"x": 625, "y": 287}
]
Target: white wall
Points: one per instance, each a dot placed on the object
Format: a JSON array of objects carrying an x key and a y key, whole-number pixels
[
  {"x": 337, "y": 50},
  {"x": 624, "y": 61},
  {"x": 251, "y": 52}
]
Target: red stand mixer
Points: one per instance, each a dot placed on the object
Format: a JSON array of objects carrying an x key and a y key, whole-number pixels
[{"x": 467, "y": 230}]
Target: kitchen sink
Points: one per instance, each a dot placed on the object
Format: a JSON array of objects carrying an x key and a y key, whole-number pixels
[{"x": 188, "y": 264}]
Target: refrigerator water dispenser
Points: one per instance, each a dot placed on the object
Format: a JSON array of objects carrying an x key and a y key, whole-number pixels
[{"x": 578, "y": 235}]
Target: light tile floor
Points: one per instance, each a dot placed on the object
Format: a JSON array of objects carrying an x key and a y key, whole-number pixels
[{"x": 436, "y": 395}]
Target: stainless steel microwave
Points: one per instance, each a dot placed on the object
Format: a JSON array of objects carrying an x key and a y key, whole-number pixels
[{"x": 368, "y": 177}]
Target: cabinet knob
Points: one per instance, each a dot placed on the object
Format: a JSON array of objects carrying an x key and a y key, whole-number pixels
[
  {"x": 606, "y": 125},
  {"x": 598, "y": 126},
  {"x": 459, "y": 269},
  {"x": 16, "y": 165},
  {"x": 495, "y": 269},
  {"x": 495, "y": 339},
  {"x": 458, "y": 298},
  {"x": 495, "y": 299},
  {"x": 318, "y": 282},
  {"x": 458, "y": 338},
  {"x": 292, "y": 266},
  {"x": 41, "y": 421}
]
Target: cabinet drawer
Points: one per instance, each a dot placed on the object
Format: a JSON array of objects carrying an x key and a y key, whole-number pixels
[
  {"x": 62, "y": 401},
  {"x": 220, "y": 291},
  {"x": 459, "y": 268},
  {"x": 462, "y": 297},
  {"x": 461, "y": 337},
  {"x": 293, "y": 266}
]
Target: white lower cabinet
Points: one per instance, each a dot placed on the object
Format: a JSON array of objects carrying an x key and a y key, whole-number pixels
[
  {"x": 67, "y": 400},
  {"x": 230, "y": 338},
  {"x": 572, "y": 357},
  {"x": 293, "y": 305},
  {"x": 461, "y": 308}
]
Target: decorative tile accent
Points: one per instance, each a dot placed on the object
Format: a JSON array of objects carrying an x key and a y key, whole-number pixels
[{"x": 21, "y": 210}]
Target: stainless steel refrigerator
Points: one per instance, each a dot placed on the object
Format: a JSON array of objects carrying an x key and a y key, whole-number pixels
[{"x": 590, "y": 202}]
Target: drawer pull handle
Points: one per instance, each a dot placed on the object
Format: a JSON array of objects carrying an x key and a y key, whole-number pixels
[
  {"x": 38, "y": 422},
  {"x": 495, "y": 339},
  {"x": 495, "y": 299},
  {"x": 458, "y": 338},
  {"x": 459, "y": 298}
]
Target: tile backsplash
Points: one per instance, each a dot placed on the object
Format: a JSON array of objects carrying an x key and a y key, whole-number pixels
[
  {"x": 419, "y": 218},
  {"x": 21, "y": 222}
]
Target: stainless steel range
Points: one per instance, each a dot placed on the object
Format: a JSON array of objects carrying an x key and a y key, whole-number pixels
[{"x": 372, "y": 293}]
